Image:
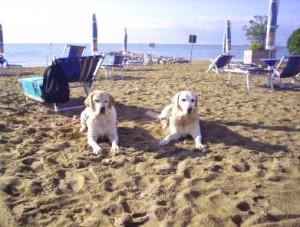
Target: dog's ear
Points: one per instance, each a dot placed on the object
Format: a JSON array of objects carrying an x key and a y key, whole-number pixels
[
  {"x": 111, "y": 101},
  {"x": 175, "y": 100},
  {"x": 89, "y": 101}
]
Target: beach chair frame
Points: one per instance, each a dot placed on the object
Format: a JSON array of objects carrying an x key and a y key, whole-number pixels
[
  {"x": 218, "y": 64},
  {"x": 114, "y": 63},
  {"x": 290, "y": 70},
  {"x": 247, "y": 70}
]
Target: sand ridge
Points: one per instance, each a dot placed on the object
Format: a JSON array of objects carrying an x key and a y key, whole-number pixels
[{"x": 248, "y": 175}]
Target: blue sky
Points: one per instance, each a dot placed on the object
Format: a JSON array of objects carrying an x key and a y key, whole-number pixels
[{"x": 160, "y": 21}]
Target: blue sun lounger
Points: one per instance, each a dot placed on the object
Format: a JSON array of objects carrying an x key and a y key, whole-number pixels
[
  {"x": 219, "y": 63},
  {"x": 113, "y": 63},
  {"x": 81, "y": 70},
  {"x": 290, "y": 70}
]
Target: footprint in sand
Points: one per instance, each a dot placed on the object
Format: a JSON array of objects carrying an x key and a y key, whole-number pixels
[
  {"x": 183, "y": 169},
  {"x": 30, "y": 130},
  {"x": 126, "y": 220},
  {"x": 36, "y": 188},
  {"x": 11, "y": 186},
  {"x": 217, "y": 158},
  {"x": 118, "y": 162},
  {"x": 163, "y": 169},
  {"x": 28, "y": 161},
  {"x": 237, "y": 219},
  {"x": 113, "y": 210},
  {"x": 108, "y": 185},
  {"x": 241, "y": 167},
  {"x": 216, "y": 169},
  {"x": 160, "y": 212},
  {"x": 70, "y": 183},
  {"x": 82, "y": 164},
  {"x": 243, "y": 206}
]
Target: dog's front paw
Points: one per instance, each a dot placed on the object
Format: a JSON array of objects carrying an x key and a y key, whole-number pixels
[
  {"x": 115, "y": 149},
  {"x": 97, "y": 151},
  {"x": 163, "y": 142}
]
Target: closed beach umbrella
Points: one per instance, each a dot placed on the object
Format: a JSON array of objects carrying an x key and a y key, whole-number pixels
[
  {"x": 125, "y": 42},
  {"x": 224, "y": 43},
  {"x": 1, "y": 41},
  {"x": 228, "y": 37},
  {"x": 95, "y": 36},
  {"x": 272, "y": 24}
]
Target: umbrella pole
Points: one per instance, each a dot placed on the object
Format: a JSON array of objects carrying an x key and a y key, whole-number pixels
[{"x": 191, "y": 58}]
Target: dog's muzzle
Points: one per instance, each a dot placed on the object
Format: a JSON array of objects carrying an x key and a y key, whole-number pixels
[
  {"x": 102, "y": 110},
  {"x": 190, "y": 110}
]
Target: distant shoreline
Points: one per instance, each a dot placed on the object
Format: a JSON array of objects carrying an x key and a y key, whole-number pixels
[
  {"x": 38, "y": 54},
  {"x": 87, "y": 44}
]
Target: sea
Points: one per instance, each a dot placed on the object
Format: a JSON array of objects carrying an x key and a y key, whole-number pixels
[{"x": 32, "y": 55}]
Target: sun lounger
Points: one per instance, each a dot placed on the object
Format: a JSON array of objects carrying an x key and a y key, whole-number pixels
[
  {"x": 80, "y": 70},
  {"x": 245, "y": 70},
  {"x": 290, "y": 70},
  {"x": 113, "y": 63},
  {"x": 219, "y": 63}
]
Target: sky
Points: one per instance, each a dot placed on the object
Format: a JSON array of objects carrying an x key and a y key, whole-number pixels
[{"x": 159, "y": 21}]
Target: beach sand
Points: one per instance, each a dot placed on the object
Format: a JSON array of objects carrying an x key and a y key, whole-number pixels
[{"x": 248, "y": 175}]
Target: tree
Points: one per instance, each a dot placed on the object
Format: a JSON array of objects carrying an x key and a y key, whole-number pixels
[
  {"x": 293, "y": 43},
  {"x": 256, "y": 31}
]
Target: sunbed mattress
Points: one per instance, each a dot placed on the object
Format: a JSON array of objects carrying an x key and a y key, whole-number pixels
[{"x": 32, "y": 87}]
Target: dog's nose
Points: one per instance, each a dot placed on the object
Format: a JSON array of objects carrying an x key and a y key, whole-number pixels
[
  {"x": 190, "y": 110},
  {"x": 102, "y": 109}
]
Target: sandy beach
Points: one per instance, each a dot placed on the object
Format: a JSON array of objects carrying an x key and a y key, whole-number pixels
[{"x": 248, "y": 175}]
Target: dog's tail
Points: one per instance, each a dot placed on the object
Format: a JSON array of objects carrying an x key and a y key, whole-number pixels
[{"x": 152, "y": 114}]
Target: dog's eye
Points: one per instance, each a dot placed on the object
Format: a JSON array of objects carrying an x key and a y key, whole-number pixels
[
  {"x": 96, "y": 100},
  {"x": 106, "y": 101},
  {"x": 183, "y": 100},
  {"x": 193, "y": 100}
]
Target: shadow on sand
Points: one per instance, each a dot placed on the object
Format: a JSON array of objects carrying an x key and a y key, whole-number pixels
[
  {"x": 213, "y": 132},
  {"x": 218, "y": 132}
]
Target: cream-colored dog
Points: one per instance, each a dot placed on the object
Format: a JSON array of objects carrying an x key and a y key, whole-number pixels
[
  {"x": 100, "y": 119},
  {"x": 181, "y": 118}
]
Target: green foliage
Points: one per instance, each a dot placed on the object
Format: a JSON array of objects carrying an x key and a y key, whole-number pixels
[
  {"x": 293, "y": 43},
  {"x": 256, "y": 31},
  {"x": 256, "y": 46}
]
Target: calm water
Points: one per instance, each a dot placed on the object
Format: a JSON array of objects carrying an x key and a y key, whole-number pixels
[{"x": 41, "y": 54}]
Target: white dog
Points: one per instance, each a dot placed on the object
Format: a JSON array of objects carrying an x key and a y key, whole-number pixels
[
  {"x": 100, "y": 119},
  {"x": 181, "y": 118}
]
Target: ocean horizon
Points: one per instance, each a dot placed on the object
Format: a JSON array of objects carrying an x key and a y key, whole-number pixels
[{"x": 41, "y": 54}]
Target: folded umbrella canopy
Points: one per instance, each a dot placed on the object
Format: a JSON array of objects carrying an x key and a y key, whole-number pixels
[
  {"x": 95, "y": 35},
  {"x": 224, "y": 43},
  {"x": 2, "y": 59},
  {"x": 272, "y": 24},
  {"x": 125, "y": 41},
  {"x": 1, "y": 41},
  {"x": 228, "y": 37}
]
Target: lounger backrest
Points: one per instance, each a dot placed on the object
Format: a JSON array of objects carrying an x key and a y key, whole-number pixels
[
  {"x": 79, "y": 69},
  {"x": 73, "y": 51},
  {"x": 108, "y": 60},
  {"x": 223, "y": 60},
  {"x": 292, "y": 67},
  {"x": 2, "y": 60},
  {"x": 76, "y": 51},
  {"x": 118, "y": 60}
]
